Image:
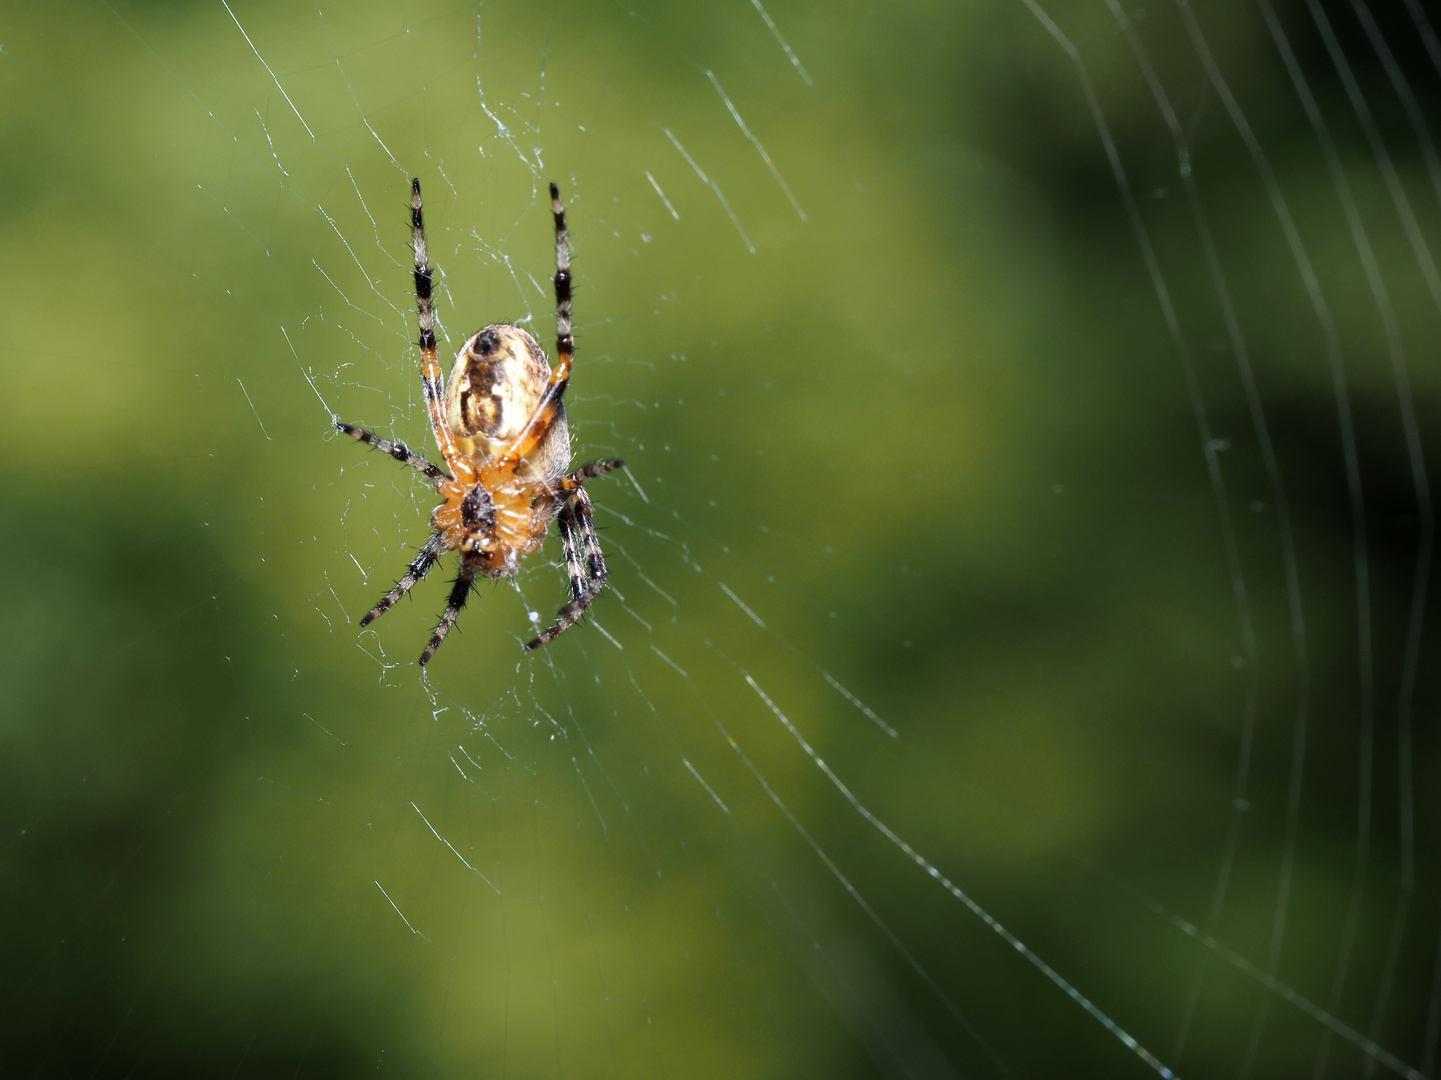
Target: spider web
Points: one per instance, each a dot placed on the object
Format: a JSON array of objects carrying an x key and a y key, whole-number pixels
[{"x": 1019, "y": 652}]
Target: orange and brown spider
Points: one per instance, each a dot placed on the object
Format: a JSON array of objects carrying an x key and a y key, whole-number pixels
[{"x": 500, "y": 426}]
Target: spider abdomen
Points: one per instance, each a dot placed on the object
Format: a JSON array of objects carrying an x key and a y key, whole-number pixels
[
  {"x": 495, "y": 385},
  {"x": 498, "y": 378}
]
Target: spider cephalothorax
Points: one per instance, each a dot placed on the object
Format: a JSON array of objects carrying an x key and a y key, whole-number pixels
[{"x": 500, "y": 426}]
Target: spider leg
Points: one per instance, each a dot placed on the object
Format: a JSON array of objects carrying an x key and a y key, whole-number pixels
[
  {"x": 423, "y": 561},
  {"x": 585, "y": 518},
  {"x": 588, "y": 471},
  {"x": 430, "y": 377},
  {"x": 458, "y": 592},
  {"x": 564, "y": 343},
  {"x": 573, "y": 547},
  {"x": 595, "y": 566},
  {"x": 539, "y": 422},
  {"x": 398, "y": 450}
]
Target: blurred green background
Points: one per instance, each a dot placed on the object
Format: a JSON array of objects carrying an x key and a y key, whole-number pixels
[{"x": 988, "y": 409}]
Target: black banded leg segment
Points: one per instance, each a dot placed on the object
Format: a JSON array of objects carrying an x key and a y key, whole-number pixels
[
  {"x": 595, "y": 571},
  {"x": 432, "y": 382},
  {"x": 574, "y": 548},
  {"x": 398, "y": 450},
  {"x": 423, "y": 561},
  {"x": 458, "y": 592},
  {"x": 540, "y": 418},
  {"x": 589, "y": 471},
  {"x": 585, "y": 522},
  {"x": 564, "y": 343},
  {"x": 422, "y": 270}
]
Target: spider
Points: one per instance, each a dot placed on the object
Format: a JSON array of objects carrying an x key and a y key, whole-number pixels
[{"x": 500, "y": 426}]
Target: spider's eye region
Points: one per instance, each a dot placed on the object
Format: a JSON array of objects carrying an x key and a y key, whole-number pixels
[{"x": 477, "y": 510}]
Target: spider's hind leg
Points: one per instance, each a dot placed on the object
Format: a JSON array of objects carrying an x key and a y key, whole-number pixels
[
  {"x": 423, "y": 561},
  {"x": 579, "y": 540},
  {"x": 594, "y": 558},
  {"x": 573, "y": 548},
  {"x": 458, "y": 592}
]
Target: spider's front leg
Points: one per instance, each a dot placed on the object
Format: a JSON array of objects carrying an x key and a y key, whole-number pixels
[
  {"x": 398, "y": 450},
  {"x": 589, "y": 471}
]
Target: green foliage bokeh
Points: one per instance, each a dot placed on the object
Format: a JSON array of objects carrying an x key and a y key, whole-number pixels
[{"x": 919, "y": 410}]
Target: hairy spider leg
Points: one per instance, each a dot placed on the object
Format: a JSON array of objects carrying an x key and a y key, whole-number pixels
[
  {"x": 398, "y": 450},
  {"x": 595, "y": 565},
  {"x": 572, "y": 545},
  {"x": 430, "y": 377},
  {"x": 564, "y": 343},
  {"x": 540, "y": 420},
  {"x": 589, "y": 471},
  {"x": 594, "y": 558},
  {"x": 458, "y": 592},
  {"x": 423, "y": 561}
]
